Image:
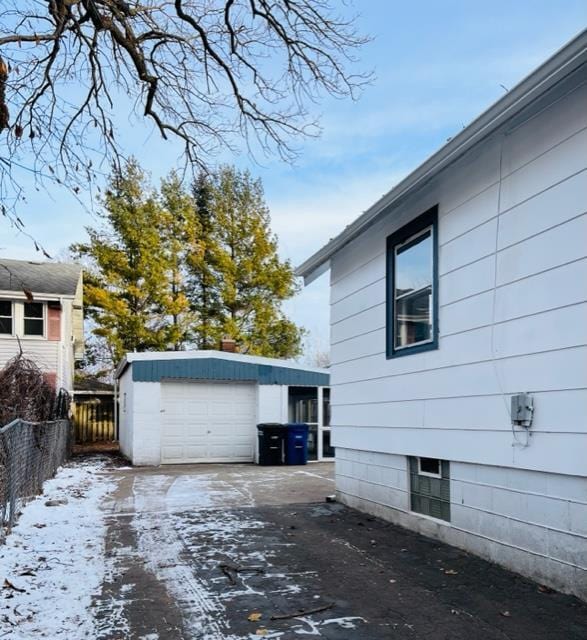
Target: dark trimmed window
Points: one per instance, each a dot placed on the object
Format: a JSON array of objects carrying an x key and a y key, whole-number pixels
[
  {"x": 430, "y": 487},
  {"x": 6, "y": 317},
  {"x": 412, "y": 286},
  {"x": 34, "y": 319}
]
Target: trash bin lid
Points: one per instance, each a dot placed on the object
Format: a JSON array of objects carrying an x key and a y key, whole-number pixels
[{"x": 270, "y": 426}]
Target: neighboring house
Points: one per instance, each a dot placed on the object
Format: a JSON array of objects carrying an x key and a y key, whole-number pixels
[
  {"x": 462, "y": 287},
  {"x": 41, "y": 312},
  {"x": 203, "y": 406}
]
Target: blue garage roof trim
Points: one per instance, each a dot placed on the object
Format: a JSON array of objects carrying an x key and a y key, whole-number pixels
[{"x": 221, "y": 369}]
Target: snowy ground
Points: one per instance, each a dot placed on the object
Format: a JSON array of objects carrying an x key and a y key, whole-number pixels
[
  {"x": 53, "y": 561},
  {"x": 85, "y": 554},
  {"x": 238, "y": 552}
]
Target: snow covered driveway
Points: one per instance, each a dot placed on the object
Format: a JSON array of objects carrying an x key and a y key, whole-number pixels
[
  {"x": 112, "y": 553},
  {"x": 237, "y": 552}
]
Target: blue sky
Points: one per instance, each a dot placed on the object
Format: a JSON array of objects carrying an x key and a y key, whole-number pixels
[{"x": 437, "y": 65}]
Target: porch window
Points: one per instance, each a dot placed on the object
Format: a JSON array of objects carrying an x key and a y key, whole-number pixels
[
  {"x": 412, "y": 287},
  {"x": 327, "y": 448},
  {"x": 34, "y": 319},
  {"x": 303, "y": 407},
  {"x": 6, "y": 318}
]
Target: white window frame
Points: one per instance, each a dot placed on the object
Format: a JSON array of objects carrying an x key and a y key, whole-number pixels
[
  {"x": 12, "y": 317},
  {"x": 397, "y": 247},
  {"x": 428, "y": 473},
  {"x": 44, "y": 318}
]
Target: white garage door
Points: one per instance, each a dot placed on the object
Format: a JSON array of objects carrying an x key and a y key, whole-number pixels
[{"x": 207, "y": 422}]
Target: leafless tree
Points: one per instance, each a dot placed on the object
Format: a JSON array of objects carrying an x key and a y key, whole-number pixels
[{"x": 209, "y": 73}]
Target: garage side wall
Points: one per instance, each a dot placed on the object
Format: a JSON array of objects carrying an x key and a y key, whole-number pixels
[
  {"x": 125, "y": 413},
  {"x": 272, "y": 403},
  {"x": 146, "y": 411}
]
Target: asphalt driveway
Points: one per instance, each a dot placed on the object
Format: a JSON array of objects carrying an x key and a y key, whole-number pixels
[
  {"x": 217, "y": 551},
  {"x": 237, "y": 552}
]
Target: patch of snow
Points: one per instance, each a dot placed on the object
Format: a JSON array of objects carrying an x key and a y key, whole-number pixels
[
  {"x": 315, "y": 475},
  {"x": 56, "y": 555},
  {"x": 210, "y": 536},
  {"x": 311, "y": 627}
]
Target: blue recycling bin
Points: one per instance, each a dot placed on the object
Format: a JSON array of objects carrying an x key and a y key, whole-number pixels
[{"x": 296, "y": 443}]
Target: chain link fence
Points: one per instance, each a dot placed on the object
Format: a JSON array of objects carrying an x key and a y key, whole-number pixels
[{"x": 30, "y": 453}]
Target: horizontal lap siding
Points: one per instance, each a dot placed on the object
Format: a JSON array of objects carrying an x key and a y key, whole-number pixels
[
  {"x": 532, "y": 522},
  {"x": 527, "y": 334},
  {"x": 45, "y": 353}
]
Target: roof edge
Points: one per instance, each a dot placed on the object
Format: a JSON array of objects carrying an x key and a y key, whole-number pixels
[
  {"x": 199, "y": 354},
  {"x": 562, "y": 62}
]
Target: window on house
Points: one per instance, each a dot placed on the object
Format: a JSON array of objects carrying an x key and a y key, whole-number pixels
[
  {"x": 34, "y": 319},
  {"x": 412, "y": 289},
  {"x": 6, "y": 316},
  {"x": 430, "y": 487},
  {"x": 429, "y": 467}
]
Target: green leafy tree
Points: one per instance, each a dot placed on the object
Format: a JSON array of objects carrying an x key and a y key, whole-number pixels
[
  {"x": 181, "y": 241},
  {"x": 249, "y": 282},
  {"x": 171, "y": 269},
  {"x": 131, "y": 290},
  {"x": 204, "y": 270}
]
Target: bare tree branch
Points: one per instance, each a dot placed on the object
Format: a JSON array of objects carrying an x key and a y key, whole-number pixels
[{"x": 210, "y": 73}]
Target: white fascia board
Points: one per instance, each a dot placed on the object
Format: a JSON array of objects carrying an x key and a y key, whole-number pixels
[
  {"x": 563, "y": 62},
  {"x": 20, "y": 295}
]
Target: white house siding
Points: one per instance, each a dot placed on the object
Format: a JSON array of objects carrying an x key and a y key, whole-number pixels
[
  {"x": 52, "y": 356},
  {"x": 513, "y": 317},
  {"x": 45, "y": 353},
  {"x": 65, "y": 371}
]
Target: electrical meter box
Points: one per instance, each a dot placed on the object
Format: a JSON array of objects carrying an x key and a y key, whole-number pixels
[{"x": 522, "y": 409}]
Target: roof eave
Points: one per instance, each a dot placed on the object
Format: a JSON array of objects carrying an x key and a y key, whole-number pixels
[
  {"x": 19, "y": 294},
  {"x": 568, "y": 58},
  {"x": 121, "y": 368}
]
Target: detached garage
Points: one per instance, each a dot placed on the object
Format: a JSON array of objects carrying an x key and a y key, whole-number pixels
[{"x": 203, "y": 406}]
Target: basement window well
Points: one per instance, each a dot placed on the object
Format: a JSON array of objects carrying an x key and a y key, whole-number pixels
[{"x": 430, "y": 487}]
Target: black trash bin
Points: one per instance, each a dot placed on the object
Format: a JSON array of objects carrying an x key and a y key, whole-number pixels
[
  {"x": 296, "y": 443},
  {"x": 271, "y": 436}
]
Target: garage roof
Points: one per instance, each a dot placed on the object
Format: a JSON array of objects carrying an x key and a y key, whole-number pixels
[{"x": 219, "y": 365}]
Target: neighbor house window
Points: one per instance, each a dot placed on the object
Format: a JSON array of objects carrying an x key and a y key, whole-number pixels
[
  {"x": 430, "y": 487},
  {"x": 412, "y": 291},
  {"x": 34, "y": 319},
  {"x": 6, "y": 317}
]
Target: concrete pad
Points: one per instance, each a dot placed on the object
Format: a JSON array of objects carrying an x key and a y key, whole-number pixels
[
  {"x": 172, "y": 488},
  {"x": 195, "y": 550}
]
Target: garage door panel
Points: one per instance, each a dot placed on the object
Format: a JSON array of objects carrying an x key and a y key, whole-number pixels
[
  {"x": 205, "y": 422},
  {"x": 242, "y": 452},
  {"x": 181, "y": 454}
]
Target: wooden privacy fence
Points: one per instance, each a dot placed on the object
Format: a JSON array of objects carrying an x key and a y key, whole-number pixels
[{"x": 93, "y": 418}]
